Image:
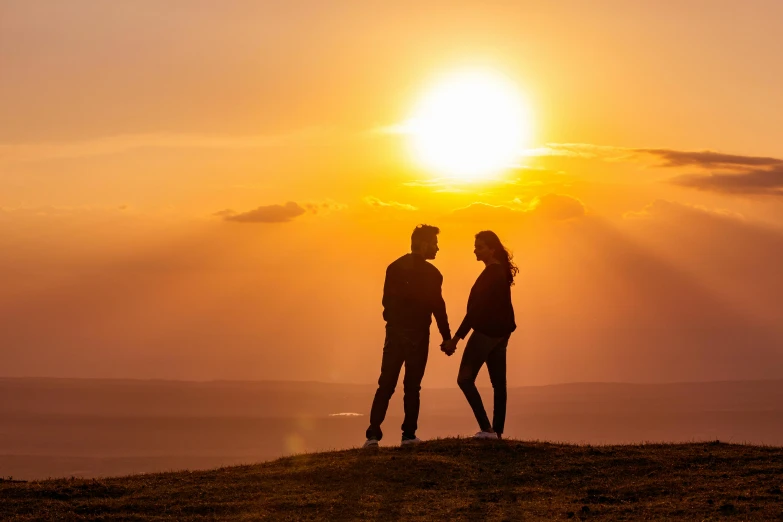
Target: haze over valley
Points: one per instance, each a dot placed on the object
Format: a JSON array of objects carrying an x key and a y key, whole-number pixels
[{"x": 92, "y": 428}]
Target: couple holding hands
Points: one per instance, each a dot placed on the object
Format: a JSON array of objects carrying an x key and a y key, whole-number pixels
[{"x": 411, "y": 296}]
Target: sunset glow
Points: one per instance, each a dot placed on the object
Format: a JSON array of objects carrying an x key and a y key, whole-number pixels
[
  {"x": 470, "y": 125},
  {"x": 213, "y": 190}
]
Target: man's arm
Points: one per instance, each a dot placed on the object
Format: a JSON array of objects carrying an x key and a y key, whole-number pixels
[
  {"x": 439, "y": 311},
  {"x": 390, "y": 290}
]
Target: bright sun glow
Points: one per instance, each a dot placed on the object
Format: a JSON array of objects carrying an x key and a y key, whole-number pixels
[{"x": 469, "y": 126}]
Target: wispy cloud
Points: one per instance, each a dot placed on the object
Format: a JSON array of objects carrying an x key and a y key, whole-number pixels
[
  {"x": 279, "y": 213},
  {"x": 439, "y": 184},
  {"x": 21, "y": 152},
  {"x": 581, "y": 150},
  {"x": 727, "y": 173},
  {"x": 324, "y": 207},
  {"x": 749, "y": 175},
  {"x": 486, "y": 212},
  {"x": 265, "y": 214},
  {"x": 767, "y": 182},
  {"x": 378, "y": 204},
  {"x": 710, "y": 159},
  {"x": 555, "y": 207}
]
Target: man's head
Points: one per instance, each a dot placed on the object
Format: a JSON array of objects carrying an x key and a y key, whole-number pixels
[{"x": 424, "y": 241}]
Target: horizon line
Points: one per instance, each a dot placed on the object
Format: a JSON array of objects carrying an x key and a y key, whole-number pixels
[{"x": 372, "y": 384}]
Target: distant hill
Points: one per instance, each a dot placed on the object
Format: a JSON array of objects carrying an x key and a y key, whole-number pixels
[
  {"x": 96, "y": 428},
  {"x": 439, "y": 480},
  {"x": 130, "y": 398}
]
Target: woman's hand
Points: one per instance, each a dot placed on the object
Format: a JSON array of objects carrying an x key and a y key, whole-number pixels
[{"x": 450, "y": 346}]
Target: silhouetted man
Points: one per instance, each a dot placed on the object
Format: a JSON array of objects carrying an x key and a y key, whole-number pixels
[{"x": 411, "y": 295}]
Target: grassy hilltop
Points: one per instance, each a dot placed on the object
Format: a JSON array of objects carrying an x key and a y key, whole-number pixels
[{"x": 448, "y": 479}]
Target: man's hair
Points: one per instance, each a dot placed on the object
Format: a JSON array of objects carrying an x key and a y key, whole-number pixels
[{"x": 423, "y": 233}]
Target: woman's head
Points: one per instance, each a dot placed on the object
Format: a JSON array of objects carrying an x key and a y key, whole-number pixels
[{"x": 488, "y": 248}]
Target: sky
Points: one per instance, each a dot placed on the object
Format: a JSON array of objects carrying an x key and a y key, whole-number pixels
[{"x": 202, "y": 190}]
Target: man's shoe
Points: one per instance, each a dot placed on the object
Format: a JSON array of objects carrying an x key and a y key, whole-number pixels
[
  {"x": 486, "y": 435},
  {"x": 371, "y": 443},
  {"x": 406, "y": 441}
]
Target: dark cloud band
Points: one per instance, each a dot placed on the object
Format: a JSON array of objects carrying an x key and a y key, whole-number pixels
[
  {"x": 725, "y": 173},
  {"x": 761, "y": 182},
  {"x": 710, "y": 159}
]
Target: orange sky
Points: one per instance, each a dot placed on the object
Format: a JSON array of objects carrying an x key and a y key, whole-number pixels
[{"x": 199, "y": 191}]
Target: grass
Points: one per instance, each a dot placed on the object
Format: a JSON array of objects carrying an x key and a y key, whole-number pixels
[{"x": 448, "y": 479}]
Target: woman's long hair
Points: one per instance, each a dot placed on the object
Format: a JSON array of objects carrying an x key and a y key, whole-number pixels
[{"x": 501, "y": 254}]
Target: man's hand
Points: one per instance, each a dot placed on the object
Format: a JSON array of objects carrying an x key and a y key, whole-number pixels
[{"x": 450, "y": 346}]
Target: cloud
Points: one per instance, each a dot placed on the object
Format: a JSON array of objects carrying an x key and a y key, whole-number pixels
[
  {"x": 487, "y": 212},
  {"x": 706, "y": 159},
  {"x": 557, "y": 207},
  {"x": 462, "y": 186},
  {"x": 754, "y": 182},
  {"x": 20, "y": 152},
  {"x": 750, "y": 175},
  {"x": 378, "y": 204},
  {"x": 440, "y": 184},
  {"x": 265, "y": 214},
  {"x": 280, "y": 213},
  {"x": 324, "y": 207},
  {"x": 737, "y": 174},
  {"x": 581, "y": 150},
  {"x": 710, "y": 159}
]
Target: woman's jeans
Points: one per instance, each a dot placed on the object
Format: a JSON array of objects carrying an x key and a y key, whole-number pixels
[{"x": 479, "y": 350}]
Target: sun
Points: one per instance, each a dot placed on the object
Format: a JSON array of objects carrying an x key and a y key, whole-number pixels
[{"x": 471, "y": 125}]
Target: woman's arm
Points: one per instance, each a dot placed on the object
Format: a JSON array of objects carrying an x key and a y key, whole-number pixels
[
  {"x": 487, "y": 290},
  {"x": 476, "y": 301}
]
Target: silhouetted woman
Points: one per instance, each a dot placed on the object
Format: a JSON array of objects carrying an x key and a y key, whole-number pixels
[{"x": 491, "y": 317}]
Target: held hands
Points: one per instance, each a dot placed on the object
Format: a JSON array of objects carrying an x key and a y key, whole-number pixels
[{"x": 450, "y": 346}]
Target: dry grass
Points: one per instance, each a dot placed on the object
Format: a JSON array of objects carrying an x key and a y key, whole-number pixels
[{"x": 448, "y": 479}]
